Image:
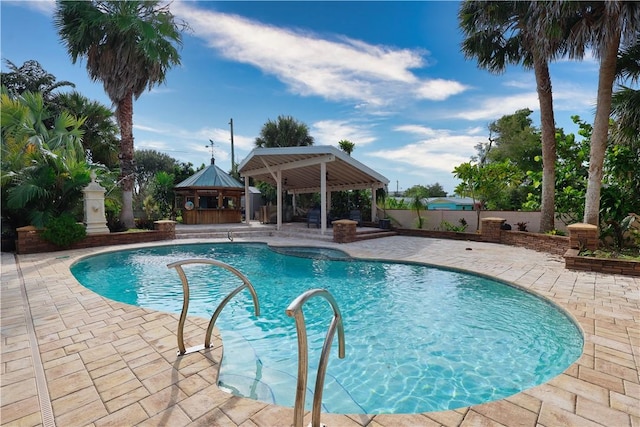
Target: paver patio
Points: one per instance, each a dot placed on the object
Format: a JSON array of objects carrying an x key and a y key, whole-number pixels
[{"x": 73, "y": 358}]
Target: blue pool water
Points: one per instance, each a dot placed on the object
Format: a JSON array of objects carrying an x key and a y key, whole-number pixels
[{"x": 418, "y": 338}]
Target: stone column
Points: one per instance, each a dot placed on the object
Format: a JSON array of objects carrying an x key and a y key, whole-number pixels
[
  {"x": 583, "y": 236},
  {"x": 490, "y": 229},
  {"x": 167, "y": 227},
  {"x": 94, "y": 217},
  {"x": 344, "y": 231}
]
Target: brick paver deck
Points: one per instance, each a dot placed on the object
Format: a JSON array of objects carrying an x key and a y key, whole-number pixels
[{"x": 73, "y": 358}]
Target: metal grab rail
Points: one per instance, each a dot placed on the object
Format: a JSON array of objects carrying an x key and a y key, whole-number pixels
[
  {"x": 295, "y": 310},
  {"x": 185, "y": 304}
]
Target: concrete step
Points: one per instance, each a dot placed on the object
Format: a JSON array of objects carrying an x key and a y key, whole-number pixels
[
  {"x": 374, "y": 235},
  {"x": 220, "y": 234},
  {"x": 300, "y": 232},
  {"x": 306, "y": 236}
]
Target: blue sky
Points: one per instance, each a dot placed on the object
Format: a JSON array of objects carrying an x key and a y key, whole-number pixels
[{"x": 388, "y": 76}]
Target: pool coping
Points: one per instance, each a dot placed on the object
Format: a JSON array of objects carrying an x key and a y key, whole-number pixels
[{"x": 107, "y": 363}]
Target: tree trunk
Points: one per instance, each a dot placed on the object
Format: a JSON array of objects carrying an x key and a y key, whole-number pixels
[
  {"x": 600, "y": 134},
  {"x": 124, "y": 113},
  {"x": 548, "y": 127}
]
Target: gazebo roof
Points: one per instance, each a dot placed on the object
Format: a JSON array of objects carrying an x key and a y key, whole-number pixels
[
  {"x": 210, "y": 177},
  {"x": 300, "y": 168}
]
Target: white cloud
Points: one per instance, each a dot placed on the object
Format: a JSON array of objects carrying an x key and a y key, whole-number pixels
[
  {"x": 329, "y": 132},
  {"x": 441, "y": 149},
  {"x": 527, "y": 81},
  {"x": 495, "y": 107},
  {"x": 439, "y": 89},
  {"x": 416, "y": 130},
  {"x": 45, "y": 7},
  {"x": 342, "y": 69},
  {"x": 193, "y": 145},
  {"x": 476, "y": 130},
  {"x": 568, "y": 96}
]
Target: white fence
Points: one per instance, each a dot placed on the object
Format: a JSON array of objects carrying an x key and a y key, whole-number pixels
[{"x": 432, "y": 219}]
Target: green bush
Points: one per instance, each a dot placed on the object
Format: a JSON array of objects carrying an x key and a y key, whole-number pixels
[
  {"x": 112, "y": 211},
  {"x": 447, "y": 226},
  {"x": 144, "y": 223},
  {"x": 63, "y": 231}
]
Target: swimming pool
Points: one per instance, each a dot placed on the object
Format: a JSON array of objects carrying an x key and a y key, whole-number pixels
[{"x": 418, "y": 338}]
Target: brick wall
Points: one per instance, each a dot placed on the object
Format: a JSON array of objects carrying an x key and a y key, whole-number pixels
[
  {"x": 556, "y": 245},
  {"x": 602, "y": 265},
  {"x": 492, "y": 233},
  {"x": 30, "y": 242}
]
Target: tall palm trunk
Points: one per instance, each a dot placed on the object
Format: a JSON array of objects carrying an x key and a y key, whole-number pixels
[
  {"x": 124, "y": 113},
  {"x": 548, "y": 128},
  {"x": 600, "y": 134}
]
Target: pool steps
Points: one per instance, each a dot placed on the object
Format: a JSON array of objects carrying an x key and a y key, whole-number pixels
[
  {"x": 185, "y": 304},
  {"x": 294, "y": 310},
  {"x": 236, "y": 355},
  {"x": 289, "y": 230}
]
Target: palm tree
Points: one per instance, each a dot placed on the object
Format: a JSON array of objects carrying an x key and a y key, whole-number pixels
[
  {"x": 417, "y": 204},
  {"x": 625, "y": 106},
  {"x": 100, "y": 139},
  {"x": 284, "y": 132},
  {"x": 129, "y": 46},
  {"x": 603, "y": 26},
  {"x": 623, "y": 155},
  {"x": 501, "y": 33},
  {"x": 100, "y": 130},
  {"x": 31, "y": 77},
  {"x": 347, "y": 146}
]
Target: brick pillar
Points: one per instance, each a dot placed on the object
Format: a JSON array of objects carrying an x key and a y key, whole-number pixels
[
  {"x": 490, "y": 229},
  {"x": 27, "y": 239},
  {"x": 167, "y": 226},
  {"x": 583, "y": 236},
  {"x": 344, "y": 231}
]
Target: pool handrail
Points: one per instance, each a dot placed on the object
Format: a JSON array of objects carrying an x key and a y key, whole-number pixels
[
  {"x": 295, "y": 310},
  {"x": 185, "y": 303}
]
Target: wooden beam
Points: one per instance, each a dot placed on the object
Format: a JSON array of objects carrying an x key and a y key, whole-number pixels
[{"x": 270, "y": 169}]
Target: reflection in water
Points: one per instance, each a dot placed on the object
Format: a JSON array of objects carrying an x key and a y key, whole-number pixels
[{"x": 417, "y": 338}]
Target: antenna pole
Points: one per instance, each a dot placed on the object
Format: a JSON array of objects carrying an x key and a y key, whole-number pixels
[
  {"x": 233, "y": 161},
  {"x": 211, "y": 144}
]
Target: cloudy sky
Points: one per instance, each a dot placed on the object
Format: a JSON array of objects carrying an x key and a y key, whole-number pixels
[{"x": 388, "y": 76}]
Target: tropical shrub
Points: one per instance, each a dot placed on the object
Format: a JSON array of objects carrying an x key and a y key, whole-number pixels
[
  {"x": 622, "y": 232},
  {"x": 112, "y": 212},
  {"x": 64, "y": 231},
  {"x": 447, "y": 226},
  {"x": 43, "y": 168}
]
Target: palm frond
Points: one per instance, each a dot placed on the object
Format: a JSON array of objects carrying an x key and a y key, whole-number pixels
[{"x": 628, "y": 64}]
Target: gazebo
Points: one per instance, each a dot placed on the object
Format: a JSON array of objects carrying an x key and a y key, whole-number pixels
[
  {"x": 311, "y": 169},
  {"x": 210, "y": 196}
]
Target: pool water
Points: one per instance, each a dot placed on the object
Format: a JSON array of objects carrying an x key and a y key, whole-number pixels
[{"x": 418, "y": 338}]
